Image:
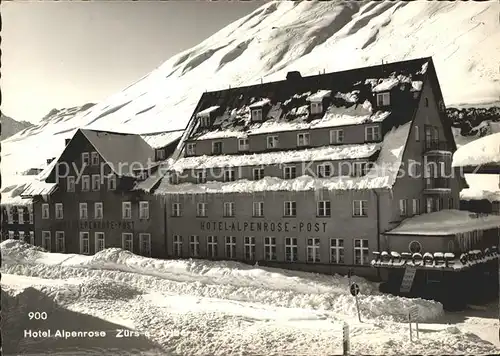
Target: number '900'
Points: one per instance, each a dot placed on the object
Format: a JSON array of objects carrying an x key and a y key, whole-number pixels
[{"x": 37, "y": 315}]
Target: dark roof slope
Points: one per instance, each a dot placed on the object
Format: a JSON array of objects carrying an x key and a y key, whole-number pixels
[{"x": 348, "y": 88}]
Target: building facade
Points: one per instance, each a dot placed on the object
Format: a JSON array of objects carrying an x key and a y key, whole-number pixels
[
  {"x": 86, "y": 200},
  {"x": 18, "y": 221}
]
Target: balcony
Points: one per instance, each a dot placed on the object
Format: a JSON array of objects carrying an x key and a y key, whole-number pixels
[
  {"x": 437, "y": 147},
  {"x": 433, "y": 185}
]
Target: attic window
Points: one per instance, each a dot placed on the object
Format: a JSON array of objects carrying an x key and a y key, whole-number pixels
[
  {"x": 257, "y": 115},
  {"x": 383, "y": 99},
  {"x": 160, "y": 154},
  {"x": 205, "y": 121},
  {"x": 217, "y": 147},
  {"x": 190, "y": 149},
  {"x": 316, "y": 108}
]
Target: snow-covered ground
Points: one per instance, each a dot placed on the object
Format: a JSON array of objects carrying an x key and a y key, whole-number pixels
[{"x": 196, "y": 307}]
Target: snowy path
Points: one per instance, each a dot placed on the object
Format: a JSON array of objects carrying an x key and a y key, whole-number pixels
[{"x": 299, "y": 316}]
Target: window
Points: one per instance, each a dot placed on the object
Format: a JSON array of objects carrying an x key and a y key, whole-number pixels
[
  {"x": 258, "y": 173},
  {"x": 290, "y": 208},
  {"x": 95, "y": 158},
  {"x": 45, "y": 211},
  {"x": 429, "y": 204},
  {"x": 205, "y": 120},
  {"x": 190, "y": 149},
  {"x": 82, "y": 207},
  {"x": 20, "y": 215},
  {"x": 10, "y": 214},
  {"x": 145, "y": 244},
  {"x": 59, "y": 211},
  {"x": 217, "y": 147},
  {"x": 270, "y": 248},
  {"x": 32, "y": 238},
  {"x": 258, "y": 209},
  {"x": 450, "y": 203},
  {"x": 316, "y": 108},
  {"x": 143, "y": 210},
  {"x": 98, "y": 210},
  {"x": 112, "y": 182},
  {"x": 272, "y": 142},
  {"x": 495, "y": 208},
  {"x": 21, "y": 236},
  {"x": 85, "y": 183},
  {"x": 11, "y": 235},
  {"x": 313, "y": 249},
  {"x": 249, "y": 248},
  {"x": 359, "y": 208},
  {"x": 201, "y": 177},
  {"x": 336, "y": 136},
  {"x": 290, "y": 172},
  {"x": 417, "y": 133},
  {"x": 128, "y": 241},
  {"x": 160, "y": 154},
  {"x": 229, "y": 175},
  {"x": 60, "y": 243},
  {"x": 173, "y": 178},
  {"x": 361, "y": 254},
  {"x": 70, "y": 184},
  {"x": 403, "y": 207},
  {"x": 85, "y": 158},
  {"x": 415, "y": 247},
  {"x": 96, "y": 182},
  {"x": 176, "y": 209},
  {"x": 126, "y": 210},
  {"x": 323, "y": 208},
  {"x": 194, "y": 245},
  {"x": 291, "y": 249},
  {"x": 212, "y": 246},
  {"x": 257, "y": 115},
  {"x": 230, "y": 247},
  {"x": 84, "y": 243},
  {"x": 177, "y": 245},
  {"x": 416, "y": 206},
  {"x": 358, "y": 168},
  {"x": 30, "y": 212},
  {"x": 243, "y": 144},
  {"x": 99, "y": 241},
  {"x": 201, "y": 209},
  {"x": 303, "y": 139},
  {"x": 228, "y": 209},
  {"x": 46, "y": 240},
  {"x": 372, "y": 133},
  {"x": 383, "y": 99},
  {"x": 324, "y": 170},
  {"x": 426, "y": 102}
]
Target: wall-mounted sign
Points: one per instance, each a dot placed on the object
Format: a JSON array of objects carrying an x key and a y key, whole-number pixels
[
  {"x": 106, "y": 224},
  {"x": 247, "y": 226}
]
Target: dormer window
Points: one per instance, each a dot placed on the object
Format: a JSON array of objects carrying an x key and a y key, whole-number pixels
[
  {"x": 205, "y": 121},
  {"x": 160, "y": 154},
  {"x": 243, "y": 144},
  {"x": 316, "y": 108},
  {"x": 372, "y": 133},
  {"x": 217, "y": 147},
  {"x": 272, "y": 142},
  {"x": 383, "y": 99},
  {"x": 303, "y": 139},
  {"x": 256, "y": 114},
  {"x": 190, "y": 149},
  {"x": 173, "y": 178}
]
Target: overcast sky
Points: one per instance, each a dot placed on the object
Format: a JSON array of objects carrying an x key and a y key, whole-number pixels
[{"x": 63, "y": 54}]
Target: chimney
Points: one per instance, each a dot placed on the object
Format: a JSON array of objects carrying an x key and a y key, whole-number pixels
[
  {"x": 293, "y": 75},
  {"x": 66, "y": 141}
]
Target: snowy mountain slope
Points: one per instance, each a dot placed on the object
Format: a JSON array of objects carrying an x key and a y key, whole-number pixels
[
  {"x": 11, "y": 127},
  {"x": 462, "y": 37},
  {"x": 197, "y": 307}
]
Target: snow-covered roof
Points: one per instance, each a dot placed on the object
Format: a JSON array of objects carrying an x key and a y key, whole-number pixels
[
  {"x": 207, "y": 111},
  {"x": 38, "y": 187},
  {"x": 11, "y": 191},
  {"x": 476, "y": 194},
  {"x": 382, "y": 175},
  {"x": 483, "y": 151},
  {"x": 325, "y": 153},
  {"x": 446, "y": 222},
  {"x": 319, "y": 95},
  {"x": 162, "y": 139},
  {"x": 259, "y": 103}
]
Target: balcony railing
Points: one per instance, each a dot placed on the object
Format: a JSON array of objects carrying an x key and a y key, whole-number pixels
[
  {"x": 436, "y": 145},
  {"x": 437, "y": 183}
]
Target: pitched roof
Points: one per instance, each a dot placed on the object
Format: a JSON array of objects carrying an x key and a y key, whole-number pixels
[
  {"x": 162, "y": 139},
  {"x": 118, "y": 148},
  {"x": 351, "y": 94}
]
